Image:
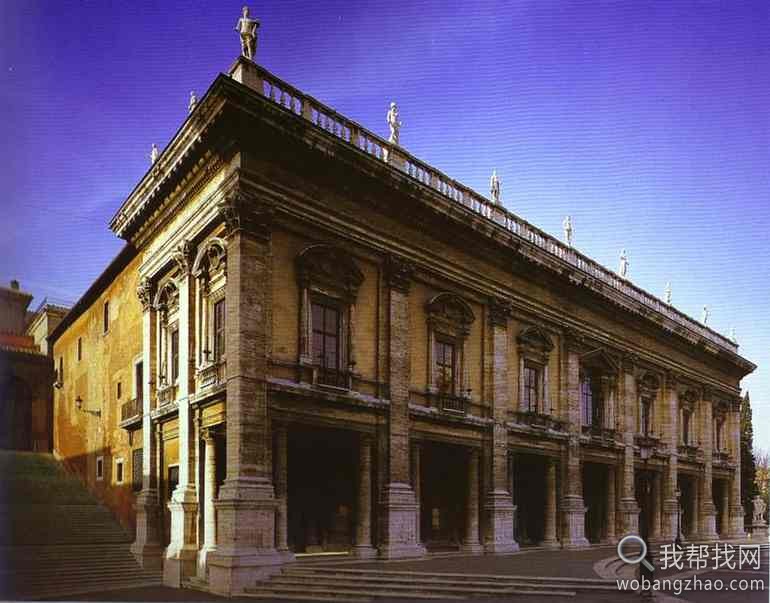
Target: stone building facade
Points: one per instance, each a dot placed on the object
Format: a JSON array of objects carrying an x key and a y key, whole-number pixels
[{"x": 332, "y": 346}]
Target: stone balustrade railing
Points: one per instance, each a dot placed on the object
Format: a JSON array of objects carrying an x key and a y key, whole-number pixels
[{"x": 350, "y": 132}]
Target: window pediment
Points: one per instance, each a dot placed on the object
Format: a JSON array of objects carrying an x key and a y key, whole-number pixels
[
  {"x": 211, "y": 258},
  {"x": 329, "y": 269},
  {"x": 167, "y": 297},
  {"x": 648, "y": 385},
  {"x": 533, "y": 338},
  {"x": 450, "y": 314},
  {"x": 600, "y": 360}
]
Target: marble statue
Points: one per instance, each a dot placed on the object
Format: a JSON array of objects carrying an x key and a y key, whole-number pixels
[
  {"x": 668, "y": 293},
  {"x": 623, "y": 271},
  {"x": 759, "y": 511},
  {"x": 394, "y": 124},
  {"x": 733, "y": 336},
  {"x": 567, "y": 226},
  {"x": 247, "y": 28},
  {"x": 705, "y": 315},
  {"x": 193, "y": 101},
  {"x": 494, "y": 187},
  {"x": 154, "y": 153}
]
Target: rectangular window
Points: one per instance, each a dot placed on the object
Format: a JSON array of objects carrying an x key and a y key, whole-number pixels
[
  {"x": 119, "y": 390},
  {"x": 174, "y": 355},
  {"x": 99, "y": 468},
  {"x": 118, "y": 471},
  {"x": 136, "y": 469},
  {"x": 587, "y": 399},
  {"x": 60, "y": 372},
  {"x": 219, "y": 330},
  {"x": 646, "y": 418},
  {"x": 139, "y": 380},
  {"x": 444, "y": 367},
  {"x": 531, "y": 388},
  {"x": 106, "y": 316},
  {"x": 686, "y": 427},
  {"x": 80, "y": 349},
  {"x": 173, "y": 480},
  {"x": 326, "y": 336}
]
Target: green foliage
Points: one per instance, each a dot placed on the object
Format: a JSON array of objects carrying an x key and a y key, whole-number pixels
[{"x": 748, "y": 465}]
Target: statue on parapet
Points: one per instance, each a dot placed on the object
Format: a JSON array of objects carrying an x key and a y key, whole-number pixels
[
  {"x": 154, "y": 153},
  {"x": 705, "y": 314},
  {"x": 247, "y": 28},
  {"x": 668, "y": 293},
  {"x": 394, "y": 124},
  {"x": 567, "y": 226},
  {"x": 193, "y": 101},
  {"x": 624, "y": 263},
  {"x": 494, "y": 187}
]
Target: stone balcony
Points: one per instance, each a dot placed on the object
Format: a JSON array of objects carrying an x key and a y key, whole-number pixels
[
  {"x": 537, "y": 420},
  {"x": 690, "y": 453},
  {"x": 721, "y": 457},
  {"x": 166, "y": 394},
  {"x": 211, "y": 375},
  {"x": 131, "y": 412},
  {"x": 599, "y": 433}
]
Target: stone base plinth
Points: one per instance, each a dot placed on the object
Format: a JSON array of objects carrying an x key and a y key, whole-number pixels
[
  {"x": 231, "y": 574},
  {"x": 498, "y": 509},
  {"x": 759, "y": 532},
  {"x": 574, "y": 523},
  {"x": 398, "y": 510},
  {"x": 363, "y": 552},
  {"x": 708, "y": 527},
  {"x": 472, "y": 548},
  {"x": 182, "y": 564},
  {"x": 629, "y": 516},
  {"x": 146, "y": 548},
  {"x": 737, "y": 519},
  {"x": 669, "y": 521}
]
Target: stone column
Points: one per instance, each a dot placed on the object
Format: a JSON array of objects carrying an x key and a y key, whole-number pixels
[
  {"x": 281, "y": 466},
  {"x": 471, "y": 541},
  {"x": 209, "y": 543},
  {"x": 574, "y": 509},
  {"x": 147, "y": 546},
  {"x": 725, "y": 510},
  {"x": 737, "y": 513},
  {"x": 628, "y": 506},
  {"x": 416, "y": 476},
  {"x": 363, "y": 548},
  {"x": 549, "y": 533},
  {"x": 670, "y": 432},
  {"x": 182, "y": 551},
  {"x": 498, "y": 504},
  {"x": 246, "y": 504},
  {"x": 611, "y": 536},
  {"x": 398, "y": 507},
  {"x": 656, "y": 532},
  {"x": 707, "y": 511}
]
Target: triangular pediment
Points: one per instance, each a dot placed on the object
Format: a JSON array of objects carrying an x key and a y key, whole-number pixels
[
  {"x": 535, "y": 337},
  {"x": 599, "y": 359}
]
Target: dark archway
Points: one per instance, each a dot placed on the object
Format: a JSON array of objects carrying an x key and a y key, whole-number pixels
[{"x": 15, "y": 414}]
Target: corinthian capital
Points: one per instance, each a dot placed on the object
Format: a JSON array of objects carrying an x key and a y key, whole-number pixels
[
  {"x": 144, "y": 293},
  {"x": 242, "y": 213},
  {"x": 499, "y": 311},
  {"x": 182, "y": 256},
  {"x": 398, "y": 273}
]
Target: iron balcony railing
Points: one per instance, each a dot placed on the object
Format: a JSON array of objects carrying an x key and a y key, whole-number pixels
[{"x": 130, "y": 409}]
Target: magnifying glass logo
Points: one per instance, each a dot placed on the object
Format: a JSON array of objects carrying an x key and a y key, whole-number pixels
[{"x": 634, "y": 560}]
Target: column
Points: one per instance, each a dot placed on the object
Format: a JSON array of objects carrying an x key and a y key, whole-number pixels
[
  {"x": 656, "y": 531},
  {"x": 415, "y": 457},
  {"x": 209, "y": 543},
  {"x": 574, "y": 509},
  {"x": 363, "y": 548},
  {"x": 182, "y": 550},
  {"x": 737, "y": 513},
  {"x": 246, "y": 504},
  {"x": 281, "y": 465},
  {"x": 611, "y": 537},
  {"x": 498, "y": 503},
  {"x": 725, "y": 510},
  {"x": 707, "y": 511},
  {"x": 549, "y": 536},
  {"x": 471, "y": 541},
  {"x": 398, "y": 506},
  {"x": 670, "y": 431},
  {"x": 147, "y": 545},
  {"x": 628, "y": 506}
]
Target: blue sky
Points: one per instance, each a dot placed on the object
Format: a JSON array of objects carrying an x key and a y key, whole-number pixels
[{"x": 646, "y": 121}]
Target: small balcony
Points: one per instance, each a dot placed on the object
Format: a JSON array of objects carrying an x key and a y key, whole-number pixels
[
  {"x": 166, "y": 394},
  {"x": 131, "y": 411},
  {"x": 690, "y": 453},
  {"x": 721, "y": 456},
  {"x": 212, "y": 375},
  {"x": 598, "y": 432},
  {"x": 332, "y": 377},
  {"x": 449, "y": 403},
  {"x": 538, "y": 420},
  {"x": 647, "y": 441}
]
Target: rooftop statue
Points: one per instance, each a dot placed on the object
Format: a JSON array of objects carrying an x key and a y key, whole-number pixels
[
  {"x": 247, "y": 28},
  {"x": 759, "y": 511},
  {"x": 567, "y": 226},
  {"x": 394, "y": 124},
  {"x": 494, "y": 187},
  {"x": 733, "y": 336},
  {"x": 193, "y": 101},
  {"x": 623, "y": 271},
  {"x": 154, "y": 153},
  {"x": 705, "y": 315},
  {"x": 668, "y": 293}
]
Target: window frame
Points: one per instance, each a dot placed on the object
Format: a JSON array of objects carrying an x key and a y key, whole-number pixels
[
  {"x": 219, "y": 335},
  {"x": 120, "y": 470},
  {"x": 531, "y": 391},
  {"x": 136, "y": 485},
  {"x": 106, "y": 316},
  {"x": 444, "y": 342},
  {"x": 79, "y": 353},
  {"x": 99, "y": 468}
]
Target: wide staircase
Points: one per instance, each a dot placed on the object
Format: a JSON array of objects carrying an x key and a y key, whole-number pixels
[
  {"x": 316, "y": 582},
  {"x": 55, "y": 538}
]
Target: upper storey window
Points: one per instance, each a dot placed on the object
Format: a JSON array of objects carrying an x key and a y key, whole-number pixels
[
  {"x": 106, "y": 317},
  {"x": 648, "y": 387},
  {"x": 328, "y": 279},
  {"x": 210, "y": 273},
  {"x": 591, "y": 399},
  {"x": 444, "y": 370},
  {"x": 534, "y": 347},
  {"x": 219, "y": 330},
  {"x": 598, "y": 371},
  {"x": 167, "y": 306},
  {"x": 687, "y": 403}
]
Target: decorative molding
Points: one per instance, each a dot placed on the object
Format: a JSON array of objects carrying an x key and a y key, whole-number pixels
[
  {"x": 499, "y": 312},
  {"x": 648, "y": 385},
  {"x": 398, "y": 273},
  {"x": 241, "y": 213},
  {"x": 629, "y": 362},
  {"x": 167, "y": 296},
  {"x": 574, "y": 340},
  {"x": 211, "y": 257},
  {"x": 144, "y": 293},
  {"x": 534, "y": 338},
  {"x": 325, "y": 267},
  {"x": 182, "y": 256},
  {"x": 599, "y": 358},
  {"x": 450, "y": 314}
]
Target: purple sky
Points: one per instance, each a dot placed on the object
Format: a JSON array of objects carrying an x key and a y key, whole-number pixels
[{"x": 646, "y": 121}]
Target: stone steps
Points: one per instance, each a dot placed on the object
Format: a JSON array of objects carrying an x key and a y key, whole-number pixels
[{"x": 55, "y": 538}]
